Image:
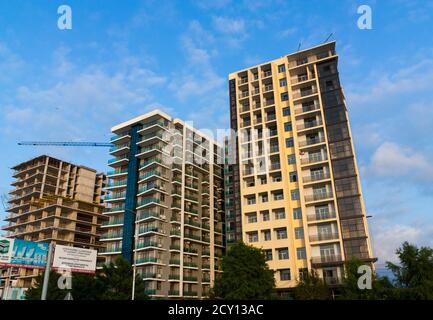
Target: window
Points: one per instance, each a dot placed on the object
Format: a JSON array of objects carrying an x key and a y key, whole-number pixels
[
  {"x": 303, "y": 272},
  {"x": 280, "y": 214},
  {"x": 251, "y": 200},
  {"x": 291, "y": 159},
  {"x": 283, "y": 253},
  {"x": 283, "y": 82},
  {"x": 263, "y": 180},
  {"x": 286, "y": 112},
  {"x": 301, "y": 253},
  {"x": 278, "y": 195},
  {"x": 284, "y": 96},
  {"x": 293, "y": 176},
  {"x": 264, "y": 197},
  {"x": 265, "y": 215},
  {"x": 253, "y": 236},
  {"x": 297, "y": 213},
  {"x": 281, "y": 233},
  {"x": 288, "y": 126},
  {"x": 295, "y": 194},
  {"x": 252, "y": 217},
  {"x": 285, "y": 275},
  {"x": 299, "y": 233},
  {"x": 268, "y": 255},
  {"x": 281, "y": 68},
  {"x": 289, "y": 142},
  {"x": 266, "y": 235}
]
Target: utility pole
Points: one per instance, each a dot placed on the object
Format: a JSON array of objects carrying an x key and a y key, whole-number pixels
[{"x": 47, "y": 271}]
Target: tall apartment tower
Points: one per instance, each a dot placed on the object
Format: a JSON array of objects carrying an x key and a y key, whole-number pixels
[
  {"x": 299, "y": 195},
  {"x": 165, "y": 204},
  {"x": 52, "y": 201}
]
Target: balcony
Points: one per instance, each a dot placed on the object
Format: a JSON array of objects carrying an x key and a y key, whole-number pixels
[
  {"x": 110, "y": 250},
  {"x": 245, "y": 108},
  {"x": 275, "y": 166},
  {"x": 323, "y": 237},
  {"x": 118, "y": 161},
  {"x": 331, "y": 259},
  {"x": 117, "y": 172},
  {"x": 311, "y": 58},
  {"x": 316, "y": 177},
  {"x": 147, "y": 244},
  {"x": 115, "y": 197},
  {"x": 112, "y": 222},
  {"x": 311, "y": 141},
  {"x": 111, "y": 236},
  {"x": 143, "y": 260},
  {"x": 318, "y": 196},
  {"x": 268, "y": 88},
  {"x": 120, "y": 138},
  {"x": 243, "y": 94},
  {"x": 308, "y": 108},
  {"x": 243, "y": 80},
  {"x": 309, "y": 124},
  {"x": 266, "y": 74},
  {"x": 190, "y": 293},
  {"x": 116, "y": 148},
  {"x": 147, "y": 201},
  {"x": 319, "y": 216},
  {"x": 116, "y": 184},
  {"x": 114, "y": 209},
  {"x": 314, "y": 158},
  {"x": 255, "y": 91},
  {"x": 304, "y": 93}
]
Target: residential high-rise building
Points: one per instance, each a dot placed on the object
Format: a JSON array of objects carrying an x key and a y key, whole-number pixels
[
  {"x": 296, "y": 191},
  {"x": 165, "y": 204},
  {"x": 52, "y": 201}
]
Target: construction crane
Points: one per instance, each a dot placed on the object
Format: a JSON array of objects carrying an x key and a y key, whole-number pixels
[{"x": 65, "y": 144}]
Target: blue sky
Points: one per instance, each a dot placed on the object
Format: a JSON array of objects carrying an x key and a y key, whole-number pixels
[{"x": 122, "y": 59}]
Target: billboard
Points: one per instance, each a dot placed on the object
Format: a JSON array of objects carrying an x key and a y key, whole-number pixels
[
  {"x": 74, "y": 259},
  {"x": 23, "y": 253}
]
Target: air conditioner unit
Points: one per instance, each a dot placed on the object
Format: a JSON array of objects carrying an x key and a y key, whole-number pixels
[
  {"x": 159, "y": 245},
  {"x": 158, "y": 275}
]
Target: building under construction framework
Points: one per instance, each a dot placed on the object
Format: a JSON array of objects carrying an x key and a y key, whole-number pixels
[{"x": 51, "y": 201}]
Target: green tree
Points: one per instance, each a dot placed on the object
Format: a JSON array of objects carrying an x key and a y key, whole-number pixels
[
  {"x": 311, "y": 287},
  {"x": 413, "y": 273},
  {"x": 115, "y": 281},
  {"x": 53, "y": 292},
  {"x": 245, "y": 275},
  {"x": 381, "y": 288}
]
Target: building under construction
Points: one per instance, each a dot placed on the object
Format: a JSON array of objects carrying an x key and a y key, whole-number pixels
[{"x": 51, "y": 201}]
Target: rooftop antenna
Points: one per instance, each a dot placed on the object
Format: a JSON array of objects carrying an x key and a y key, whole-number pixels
[
  {"x": 330, "y": 35},
  {"x": 299, "y": 46}
]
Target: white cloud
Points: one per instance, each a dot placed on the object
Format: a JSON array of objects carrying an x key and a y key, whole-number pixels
[
  {"x": 393, "y": 160},
  {"x": 228, "y": 25},
  {"x": 10, "y": 63},
  {"x": 79, "y": 103},
  {"x": 390, "y": 237},
  {"x": 287, "y": 32},
  {"x": 411, "y": 79}
]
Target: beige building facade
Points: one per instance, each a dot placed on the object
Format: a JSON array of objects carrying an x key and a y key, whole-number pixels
[{"x": 298, "y": 193}]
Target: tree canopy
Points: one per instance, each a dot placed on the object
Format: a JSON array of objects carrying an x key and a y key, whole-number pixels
[{"x": 245, "y": 275}]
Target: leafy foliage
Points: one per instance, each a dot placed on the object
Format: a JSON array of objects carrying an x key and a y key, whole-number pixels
[
  {"x": 246, "y": 275},
  {"x": 414, "y": 273},
  {"x": 114, "y": 282},
  {"x": 311, "y": 287}
]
